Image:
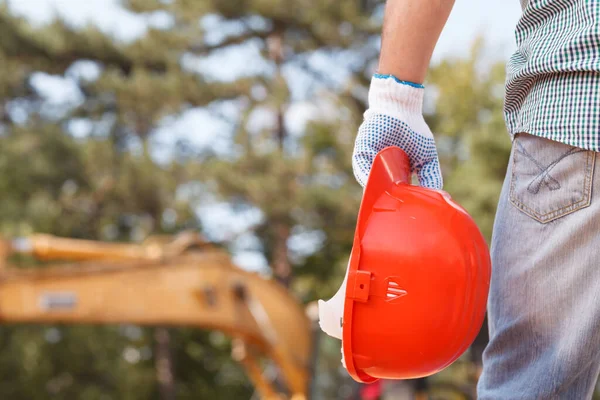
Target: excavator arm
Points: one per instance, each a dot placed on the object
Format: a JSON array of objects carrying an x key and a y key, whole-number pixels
[{"x": 183, "y": 282}]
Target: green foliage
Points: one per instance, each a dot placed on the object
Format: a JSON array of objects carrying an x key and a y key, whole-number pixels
[{"x": 469, "y": 127}]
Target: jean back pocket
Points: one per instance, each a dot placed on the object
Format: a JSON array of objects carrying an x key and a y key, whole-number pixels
[{"x": 549, "y": 179}]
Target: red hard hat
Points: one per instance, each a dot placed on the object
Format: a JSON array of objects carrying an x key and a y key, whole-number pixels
[{"x": 418, "y": 278}]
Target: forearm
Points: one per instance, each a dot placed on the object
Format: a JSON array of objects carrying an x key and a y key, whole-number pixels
[{"x": 411, "y": 29}]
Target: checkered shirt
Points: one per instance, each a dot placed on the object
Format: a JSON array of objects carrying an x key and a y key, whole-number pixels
[{"x": 553, "y": 78}]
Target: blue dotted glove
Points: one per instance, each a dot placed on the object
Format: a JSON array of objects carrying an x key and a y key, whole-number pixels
[{"x": 395, "y": 118}]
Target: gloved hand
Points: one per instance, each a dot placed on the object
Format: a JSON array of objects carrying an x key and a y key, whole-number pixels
[{"x": 395, "y": 118}]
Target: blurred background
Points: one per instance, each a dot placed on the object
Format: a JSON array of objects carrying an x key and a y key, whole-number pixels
[{"x": 121, "y": 119}]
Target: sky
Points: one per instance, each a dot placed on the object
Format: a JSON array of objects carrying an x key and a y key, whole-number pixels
[{"x": 494, "y": 19}]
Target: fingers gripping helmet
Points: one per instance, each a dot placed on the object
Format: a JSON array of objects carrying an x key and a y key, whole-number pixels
[{"x": 417, "y": 280}]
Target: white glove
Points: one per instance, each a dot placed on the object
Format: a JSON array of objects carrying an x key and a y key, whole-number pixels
[{"x": 395, "y": 118}]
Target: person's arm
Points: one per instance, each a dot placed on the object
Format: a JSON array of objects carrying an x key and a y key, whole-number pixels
[
  {"x": 395, "y": 114},
  {"x": 394, "y": 117},
  {"x": 411, "y": 29}
]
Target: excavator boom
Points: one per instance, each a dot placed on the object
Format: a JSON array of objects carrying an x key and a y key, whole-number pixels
[{"x": 166, "y": 286}]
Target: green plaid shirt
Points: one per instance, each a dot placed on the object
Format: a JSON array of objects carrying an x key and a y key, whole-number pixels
[{"x": 553, "y": 79}]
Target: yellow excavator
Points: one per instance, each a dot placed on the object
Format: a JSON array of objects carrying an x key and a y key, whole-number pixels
[{"x": 177, "y": 281}]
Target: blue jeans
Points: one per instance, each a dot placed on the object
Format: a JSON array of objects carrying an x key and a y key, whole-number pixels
[{"x": 544, "y": 302}]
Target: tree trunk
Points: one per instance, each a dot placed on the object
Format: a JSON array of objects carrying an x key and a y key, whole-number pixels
[
  {"x": 275, "y": 46},
  {"x": 281, "y": 264},
  {"x": 164, "y": 364}
]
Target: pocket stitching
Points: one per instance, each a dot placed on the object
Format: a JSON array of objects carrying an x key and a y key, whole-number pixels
[{"x": 561, "y": 212}]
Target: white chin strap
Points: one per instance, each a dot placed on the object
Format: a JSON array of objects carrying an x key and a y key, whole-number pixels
[{"x": 332, "y": 311}]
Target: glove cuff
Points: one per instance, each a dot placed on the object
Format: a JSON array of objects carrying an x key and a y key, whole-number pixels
[
  {"x": 401, "y": 100},
  {"x": 387, "y": 93}
]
